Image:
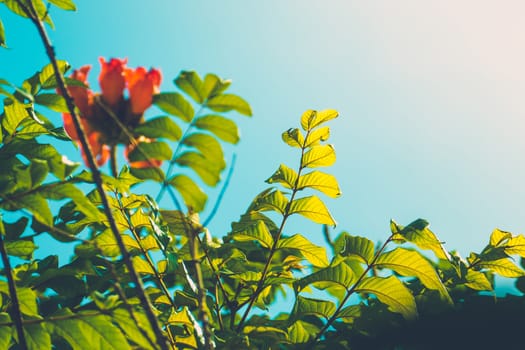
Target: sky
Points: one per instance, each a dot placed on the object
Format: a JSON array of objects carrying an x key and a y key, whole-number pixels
[{"x": 430, "y": 96}]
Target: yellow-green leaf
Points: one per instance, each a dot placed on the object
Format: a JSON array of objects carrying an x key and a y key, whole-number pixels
[
  {"x": 293, "y": 137},
  {"x": 207, "y": 145},
  {"x": 258, "y": 232},
  {"x": 223, "y": 128},
  {"x": 312, "y": 208},
  {"x": 391, "y": 292},
  {"x": 308, "y": 306},
  {"x": 228, "y": 102},
  {"x": 160, "y": 127},
  {"x": 274, "y": 200},
  {"x": 411, "y": 263},
  {"x": 340, "y": 274},
  {"x": 141, "y": 265},
  {"x": 347, "y": 245},
  {"x": 477, "y": 280},
  {"x": 191, "y": 83},
  {"x": 311, "y": 252},
  {"x": 175, "y": 104},
  {"x": 319, "y": 156},
  {"x": 285, "y": 176},
  {"x": 516, "y": 246},
  {"x": 320, "y": 181},
  {"x": 498, "y": 237},
  {"x": 194, "y": 197},
  {"x": 208, "y": 169},
  {"x": 317, "y": 136},
  {"x": 311, "y": 119},
  {"x": 503, "y": 267},
  {"x": 419, "y": 233}
]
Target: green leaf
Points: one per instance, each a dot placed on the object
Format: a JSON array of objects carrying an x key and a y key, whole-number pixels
[
  {"x": 418, "y": 233},
  {"x": 311, "y": 119},
  {"x": 285, "y": 176},
  {"x": 223, "y": 128},
  {"x": 38, "y": 206},
  {"x": 293, "y": 137},
  {"x": 27, "y": 300},
  {"x": 499, "y": 237},
  {"x": 15, "y": 112},
  {"x": 48, "y": 72},
  {"x": 411, "y": 263},
  {"x": 38, "y": 170},
  {"x": 317, "y": 136},
  {"x": 320, "y": 181},
  {"x": 477, "y": 280},
  {"x": 228, "y": 102},
  {"x": 132, "y": 329},
  {"x": 161, "y": 127},
  {"x": 5, "y": 331},
  {"x": 21, "y": 248},
  {"x": 191, "y": 83},
  {"x": 307, "y": 306},
  {"x": 208, "y": 169},
  {"x": 141, "y": 266},
  {"x": 314, "y": 254},
  {"x": 39, "y": 5},
  {"x": 502, "y": 267},
  {"x": 68, "y": 190},
  {"x": 175, "y": 104},
  {"x": 340, "y": 274},
  {"x": 155, "y": 174},
  {"x": 67, "y": 5},
  {"x": 37, "y": 337},
  {"x": 516, "y": 246},
  {"x": 312, "y": 208},
  {"x": 194, "y": 197},
  {"x": 274, "y": 200},
  {"x": 95, "y": 330},
  {"x": 258, "y": 232},
  {"x": 54, "y": 102},
  {"x": 391, "y": 292},
  {"x": 301, "y": 332},
  {"x": 361, "y": 247},
  {"x": 207, "y": 145},
  {"x": 70, "y": 330},
  {"x": 150, "y": 150},
  {"x": 349, "y": 313},
  {"x": 2, "y": 34},
  {"x": 319, "y": 156},
  {"x": 213, "y": 85}
]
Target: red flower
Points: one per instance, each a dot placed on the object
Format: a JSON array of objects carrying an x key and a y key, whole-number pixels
[
  {"x": 142, "y": 85},
  {"x": 149, "y": 163},
  {"x": 111, "y": 79},
  {"x": 83, "y": 98}
]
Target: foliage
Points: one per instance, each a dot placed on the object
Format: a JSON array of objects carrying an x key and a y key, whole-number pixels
[{"x": 206, "y": 291}]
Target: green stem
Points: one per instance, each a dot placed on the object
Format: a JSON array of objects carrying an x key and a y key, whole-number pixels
[
  {"x": 17, "y": 314},
  {"x": 286, "y": 214}
]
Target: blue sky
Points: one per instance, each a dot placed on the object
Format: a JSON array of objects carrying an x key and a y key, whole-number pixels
[{"x": 429, "y": 93}]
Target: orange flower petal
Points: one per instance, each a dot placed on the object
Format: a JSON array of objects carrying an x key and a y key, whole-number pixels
[{"x": 111, "y": 79}]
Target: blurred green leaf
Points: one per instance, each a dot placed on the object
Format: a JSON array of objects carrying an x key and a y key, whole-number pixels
[
  {"x": 21, "y": 248},
  {"x": 175, "y": 104},
  {"x": 191, "y": 83},
  {"x": 131, "y": 329},
  {"x": 208, "y": 169},
  {"x": 161, "y": 127},
  {"x": 228, "y": 102},
  {"x": 67, "y": 5},
  {"x": 37, "y": 337},
  {"x": 2, "y": 34},
  {"x": 5, "y": 331},
  {"x": 213, "y": 86},
  {"x": 391, "y": 292},
  {"x": 307, "y": 306},
  {"x": 223, "y": 128},
  {"x": 312, "y": 208},
  {"x": 311, "y": 252},
  {"x": 151, "y": 150},
  {"x": 192, "y": 194},
  {"x": 207, "y": 145},
  {"x": 301, "y": 332},
  {"x": 502, "y": 267}
]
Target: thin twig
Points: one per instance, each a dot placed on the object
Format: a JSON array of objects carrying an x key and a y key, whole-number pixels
[
  {"x": 17, "y": 314},
  {"x": 126, "y": 257}
]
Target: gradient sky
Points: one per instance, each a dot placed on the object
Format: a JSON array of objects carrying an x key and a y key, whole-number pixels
[{"x": 430, "y": 96}]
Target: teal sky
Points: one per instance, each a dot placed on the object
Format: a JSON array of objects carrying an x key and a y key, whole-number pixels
[{"x": 430, "y": 96}]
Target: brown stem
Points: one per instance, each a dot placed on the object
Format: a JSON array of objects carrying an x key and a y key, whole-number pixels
[
  {"x": 113, "y": 160},
  {"x": 126, "y": 257},
  {"x": 17, "y": 314}
]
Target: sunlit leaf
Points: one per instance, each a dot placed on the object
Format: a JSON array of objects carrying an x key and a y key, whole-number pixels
[
  {"x": 27, "y": 300},
  {"x": 320, "y": 181},
  {"x": 498, "y": 237},
  {"x": 311, "y": 252},
  {"x": 301, "y": 332},
  {"x": 192, "y": 194},
  {"x": 293, "y": 137},
  {"x": 21, "y": 248},
  {"x": 68, "y": 190},
  {"x": 319, "y": 156},
  {"x": 411, "y": 263},
  {"x": 213, "y": 86},
  {"x": 361, "y": 247},
  {"x": 307, "y": 306},
  {"x": 312, "y": 208},
  {"x": 175, "y": 104},
  {"x": 340, "y": 274},
  {"x": 48, "y": 71},
  {"x": 516, "y": 246},
  {"x": 418, "y": 233},
  {"x": 38, "y": 206},
  {"x": 5, "y": 331},
  {"x": 391, "y": 292},
  {"x": 141, "y": 266},
  {"x": 311, "y": 119},
  {"x": 14, "y": 114},
  {"x": 274, "y": 200},
  {"x": 228, "y": 102},
  {"x": 317, "y": 136},
  {"x": 502, "y": 267},
  {"x": 191, "y": 83},
  {"x": 181, "y": 318},
  {"x": 131, "y": 329},
  {"x": 284, "y": 175},
  {"x": 37, "y": 337},
  {"x": 222, "y": 127},
  {"x": 64, "y": 4},
  {"x": 155, "y": 174},
  {"x": 2, "y": 34},
  {"x": 160, "y": 127},
  {"x": 40, "y": 7},
  {"x": 477, "y": 280},
  {"x": 207, "y": 169},
  {"x": 258, "y": 232}
]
